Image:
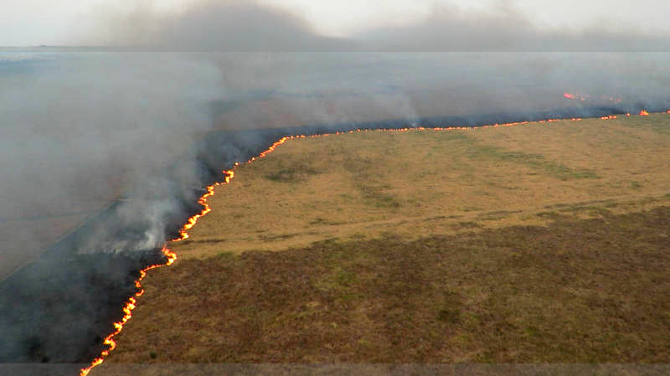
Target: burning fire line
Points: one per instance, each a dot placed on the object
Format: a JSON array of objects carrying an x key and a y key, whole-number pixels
[
  {"x": 127, "y": 310},
  {"x": 171, "y": 258},
  {"x": 228, "y": 176},
  {"x": 183, "y": 233}
]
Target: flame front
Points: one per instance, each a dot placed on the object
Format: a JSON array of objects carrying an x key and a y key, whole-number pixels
[
  {"x": 228, "y": 176},
  {"x": 183, "y": 233},
  {"x": 127, "y": 312},
  {"x": 171, "y": 257}
]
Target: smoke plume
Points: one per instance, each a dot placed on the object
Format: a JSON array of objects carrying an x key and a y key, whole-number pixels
[{"x": 247, "y": 26}]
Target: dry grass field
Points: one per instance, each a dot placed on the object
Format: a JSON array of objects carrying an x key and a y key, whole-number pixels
[
  {"x": 545, "y": 242},
  {"x": 424, "y": 183}
]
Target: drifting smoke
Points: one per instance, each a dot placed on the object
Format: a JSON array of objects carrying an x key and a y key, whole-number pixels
[
  {"x": 504, "y": 28},
  {"x": 246, "y": 26},
  {"x": 80, "y": 131},
  {"x": 130, "y": 140},
  {"x": 239, "y": 26},
  {"x": 81, "y": 128}
]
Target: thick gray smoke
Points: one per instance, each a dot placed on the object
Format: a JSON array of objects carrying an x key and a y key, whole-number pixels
[
  {"x": 240, "y": 26},
  {"x": 145, "y": 129},
  {"x": 505, "y": 28},
  {"x": 78, "y": 130},
  {"x": 246, "y": 26}
]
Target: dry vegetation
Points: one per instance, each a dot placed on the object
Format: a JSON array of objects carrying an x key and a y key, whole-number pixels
[
  {"x": 423, "y": 183},
  {"x": 538, "y": 243},
  {"x": 577, "y": 291}
]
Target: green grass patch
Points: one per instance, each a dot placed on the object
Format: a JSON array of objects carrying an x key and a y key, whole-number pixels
[
  {"x": 294, "y": 173},
  {"x": 477, "y": 151},
  {"x": 271, "y": 238},
  {"x": 369, "y": 184}
]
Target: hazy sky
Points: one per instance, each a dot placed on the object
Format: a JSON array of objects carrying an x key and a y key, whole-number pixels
[{"x": 35, "y": 22}]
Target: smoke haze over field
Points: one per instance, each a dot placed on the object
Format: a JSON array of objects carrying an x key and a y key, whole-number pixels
[
  {"x": 82, "y": 129},
  {"x": 78, "y": 129},
  {"x": 35, "y": 22},
  {"x": 245, "y": 26}
]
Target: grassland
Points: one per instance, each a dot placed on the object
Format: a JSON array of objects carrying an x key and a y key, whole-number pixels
[
  {"x": 546, "y": 242},
  {"x": 424, "y": 183}
]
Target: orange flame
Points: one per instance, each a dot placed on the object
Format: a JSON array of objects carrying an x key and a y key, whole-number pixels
[
  {"x": 171, "y": 257},
  {"x": 230, "y": 174},
  {"x": 576, "y": 97},
  {"x": 127, "y": 310},
  {"x": 183, "y": 234}
]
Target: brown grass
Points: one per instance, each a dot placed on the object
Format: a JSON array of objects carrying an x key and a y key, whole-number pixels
[
  {"x": 578, "y": 291},
  {"x": 538, "y": 243},
  {"x": 423, "y": 183}
]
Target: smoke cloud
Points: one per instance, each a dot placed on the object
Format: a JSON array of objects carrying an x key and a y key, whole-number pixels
[
  {"x": 247, "y": 26},
  {"x": 505, "y": 28},
  {"x": 237, "y": 26}
]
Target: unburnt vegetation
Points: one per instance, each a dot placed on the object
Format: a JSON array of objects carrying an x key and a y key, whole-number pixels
[
  {"x": 539, "y": 243},
  {"x": 591, "y": 290},
  {"x": 420, "y": 183}
]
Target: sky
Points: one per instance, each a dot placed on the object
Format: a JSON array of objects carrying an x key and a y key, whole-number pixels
[{"x": 38, "y": 22}]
